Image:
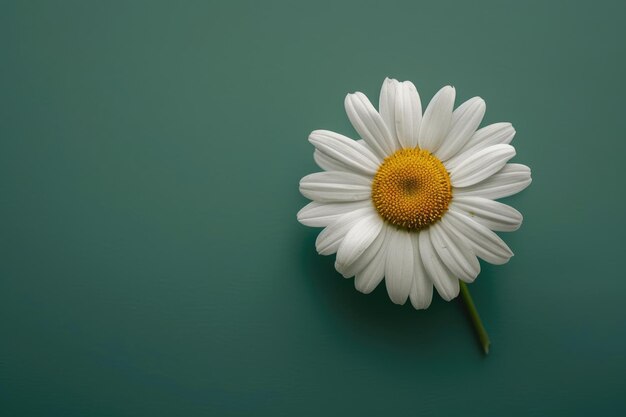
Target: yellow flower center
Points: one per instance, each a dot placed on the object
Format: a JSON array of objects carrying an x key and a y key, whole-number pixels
[{"x": 411, "y": 189}]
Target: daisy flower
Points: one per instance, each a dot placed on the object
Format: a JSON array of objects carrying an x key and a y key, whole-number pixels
[{"x": 413, "y": 201}]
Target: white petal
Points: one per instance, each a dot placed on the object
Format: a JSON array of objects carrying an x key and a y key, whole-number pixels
[
  {"x": 335, "y": 186},
  {"x": 437, "y": 118},
  {"x": 317, "y": 214},
  {"x": 329, "y": 164},
  {"x": 370, "y": 126},
  {"x": 481, "y": 165},
  {"x": 399, "y": 266},
  {"x": 447, "y": 285},
  {"x": 330, "y": 238},
  {"x": 422, "y": 288},
  {"x": 369, "y": 277},
  {"x": 465, "y": 120},
  {"x": 510, "y": 180},
  {"x": 455, "y": 253},
  {"x": 387, "y": 104},
  {"x": 346, "y": 151},
  {"x": 485, "y": 243},
  {"x": 366, "y": 257},
  {"x": 408, "y": 114},
  {"x": 494, "y": 134},
  {"x": 357, "y": 240},
  {"x": 492, "y": 214}
]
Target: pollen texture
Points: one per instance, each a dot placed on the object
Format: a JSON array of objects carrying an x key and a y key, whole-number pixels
[{"x": 411, "y": 189}]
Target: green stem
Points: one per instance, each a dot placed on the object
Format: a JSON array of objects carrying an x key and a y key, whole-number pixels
[{"x": 478, "y": 324}]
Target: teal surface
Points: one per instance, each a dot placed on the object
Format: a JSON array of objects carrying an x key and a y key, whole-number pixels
[{"x": 151, "y": 262}]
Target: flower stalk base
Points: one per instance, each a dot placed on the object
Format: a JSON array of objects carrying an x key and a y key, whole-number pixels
[{"x": 483, "y": 337}]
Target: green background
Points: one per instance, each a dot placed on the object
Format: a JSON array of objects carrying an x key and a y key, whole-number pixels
[{"x": 151, "y": 262}]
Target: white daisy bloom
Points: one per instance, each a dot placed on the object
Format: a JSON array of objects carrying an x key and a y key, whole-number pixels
[{"x": 413, "y": 202}]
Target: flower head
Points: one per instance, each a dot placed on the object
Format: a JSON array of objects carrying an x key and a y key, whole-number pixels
[{"x": 413, "y": 201}]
